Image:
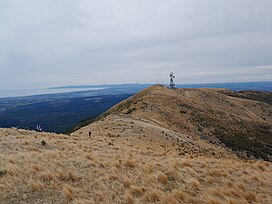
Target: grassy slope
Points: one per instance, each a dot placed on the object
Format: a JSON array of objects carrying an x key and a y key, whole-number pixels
[
  {"x": 132, "y": 157},
  {"x": 123, "y": 169},
  {"x": 241, "y": 124}
]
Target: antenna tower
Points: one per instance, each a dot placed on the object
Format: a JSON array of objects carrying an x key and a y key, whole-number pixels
[{"x": 172, "y": 84}]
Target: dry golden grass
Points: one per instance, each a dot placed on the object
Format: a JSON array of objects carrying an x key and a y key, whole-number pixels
[
  {"x": 129, "y": 163},
  {"x": 127, "y": 183},
  {"x": 137, "y": 191},
  {"x": 152, "y": 196},
  {"x": 250, "y": 196},
  {"x": 46, "y": 176},
  {"x": 129, "y": 199},
  {"x": 162, "y": 178},
  {"x": 194, "y": 184},
  {"x": 36, "y": 185},
  {"x": 68, "y": 192},
  {"x": 76, "y": 169}
]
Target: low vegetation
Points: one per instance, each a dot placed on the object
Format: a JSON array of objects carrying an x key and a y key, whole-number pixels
[{"x": 134, "y": 158}]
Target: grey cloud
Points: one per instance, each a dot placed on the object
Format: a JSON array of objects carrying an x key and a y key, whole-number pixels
[{"x": 68, "y": 42}]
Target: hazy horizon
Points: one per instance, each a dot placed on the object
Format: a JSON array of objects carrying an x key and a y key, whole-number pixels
[
  {"x": 107, "y": 84},
  {"x": 69, "y": 43}
]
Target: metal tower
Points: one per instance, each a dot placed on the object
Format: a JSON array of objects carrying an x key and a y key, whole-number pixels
[{"x": 172, "y": 85}]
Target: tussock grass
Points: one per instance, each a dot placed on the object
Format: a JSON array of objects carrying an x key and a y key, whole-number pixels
[
  {"x": 194, "y": 183},
  {"x": 213, "y": 200},
  {"x": 68, "y": 192},
  {"x": 137, "y": 191},
  {"x": 186, "y": 163},
  {"x": 172, "y": 175},
  {"x": 169, "y": 199},
  {"x": 129, "y": 198},
  {"x": 46, "y": 176},
  {"x": 66, "y": 175},
  {"x": 36, "y": 168},
  {"x": 129, "y": 163},
  {"x": 152, "y": 196},
  {"x": 127, "y": 183},
  {"x": 136, "y": 172},
  {"x": 12, "y": 170},
  {"x": 250, "y": 196},
  {"x": 36, "y": 185},
  {"x": 162, "y": 178},
  {"x": 113, "y": 177}
]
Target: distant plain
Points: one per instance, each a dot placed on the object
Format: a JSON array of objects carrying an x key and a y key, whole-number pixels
[{"x": 60, "y": 109}]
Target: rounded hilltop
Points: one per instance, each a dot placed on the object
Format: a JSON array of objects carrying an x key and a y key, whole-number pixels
[
  {"x": 158, "y": 146},
  {"x": 221, "y": 116}
]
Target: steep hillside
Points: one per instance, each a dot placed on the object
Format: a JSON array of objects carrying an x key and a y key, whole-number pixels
[
  {"x": 159, "y": 146},
  {"x": 210, "y": 114}
]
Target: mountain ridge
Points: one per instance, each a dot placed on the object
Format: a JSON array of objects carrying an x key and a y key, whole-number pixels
[
  {"x": 248, "y": 119},
  {"x": 158, "y": 146}
]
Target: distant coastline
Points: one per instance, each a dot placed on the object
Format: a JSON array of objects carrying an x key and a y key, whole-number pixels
[
  {"x": 236, "y": 86},
  {"x": 33, "y": 92}
]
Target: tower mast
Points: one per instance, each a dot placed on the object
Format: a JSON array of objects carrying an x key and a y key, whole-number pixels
[{"x": 172, "y": 84}]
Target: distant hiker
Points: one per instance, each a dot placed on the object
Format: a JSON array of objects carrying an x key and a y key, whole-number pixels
[{"x": 90, "y": 133}]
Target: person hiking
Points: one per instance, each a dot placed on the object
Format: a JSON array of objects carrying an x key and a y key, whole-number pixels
[{"x": 90, "y": 133}]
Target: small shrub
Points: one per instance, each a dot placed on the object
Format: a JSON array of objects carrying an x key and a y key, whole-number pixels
[
  {"x": 172, "y": 175},
  {"x": 3, "y": 173},
  {"x": 43, "y": 143},
  {"x": 128, "y": 110}
]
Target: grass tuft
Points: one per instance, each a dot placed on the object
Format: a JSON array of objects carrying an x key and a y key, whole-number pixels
[
  {"x": 152, "y": 196},
  {"x": 162, "y": 178},
  {"x": 36, "y": 185},
  {"x": 130, "y": 164},
  {"x": 137, "y": 191},
  {"x": 69, "y": 192}
]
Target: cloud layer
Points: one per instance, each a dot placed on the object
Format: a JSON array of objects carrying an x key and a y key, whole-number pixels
[{"x": 70, "y": 42}]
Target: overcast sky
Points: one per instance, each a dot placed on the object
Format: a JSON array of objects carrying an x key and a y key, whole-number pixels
[{"x": 46, "y": 43}]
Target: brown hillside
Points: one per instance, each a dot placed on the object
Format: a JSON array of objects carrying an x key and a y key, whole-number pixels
[
  {"x": 214, "y": 115},
  {"x": 147, "y": 149}
]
